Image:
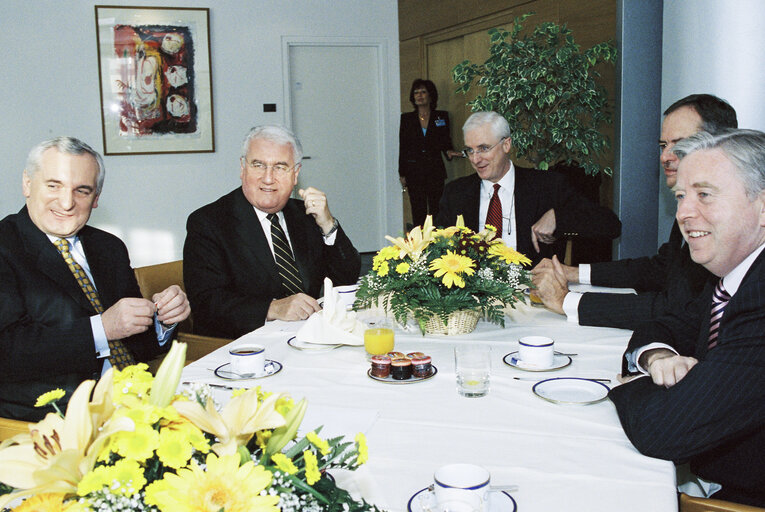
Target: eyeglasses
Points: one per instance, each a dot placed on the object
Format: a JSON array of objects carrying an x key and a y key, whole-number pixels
[
  {"x": 261, "y": 167},
  {"x": 480, "y": 150}
]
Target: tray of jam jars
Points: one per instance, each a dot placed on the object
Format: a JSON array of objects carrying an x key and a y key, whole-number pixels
[{"x": 400, "y": 368}]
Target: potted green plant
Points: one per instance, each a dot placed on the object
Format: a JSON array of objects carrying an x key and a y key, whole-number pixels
[{"x": 548, "y": 91}]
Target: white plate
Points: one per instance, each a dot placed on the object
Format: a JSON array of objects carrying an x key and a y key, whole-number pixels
[
  {"x": 272, "y": 368},
  {"x": 310, "y": 347},
  {"x": 499, "y": 501},
  {"x": 571, "y": 390},
  {"x": 559, "y": 361}
]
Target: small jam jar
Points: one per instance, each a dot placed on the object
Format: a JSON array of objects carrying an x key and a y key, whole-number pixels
[
  {"x": 396, "y": 355},
  {"x": 380, "y": 366},
  {"x": 421, "y": 366},
  {"x": 412, "y": 355},
  {"x": 401, "y": 368}
]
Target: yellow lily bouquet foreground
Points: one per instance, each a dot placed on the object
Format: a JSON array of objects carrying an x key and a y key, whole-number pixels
[
  {"x": 128, "y": 443},
  {"x": 436, "y": 272}
]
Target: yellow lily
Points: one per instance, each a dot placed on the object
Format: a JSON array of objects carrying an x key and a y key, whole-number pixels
[
  {"x": 286, "y": 433},
  {"x": 169, "y": 374},
  {"x": 235, "y": 425},
  {"x": 58, "y": 452},
  {"x": 416, "y": 240},
  {"x": 452, "y": 230}
]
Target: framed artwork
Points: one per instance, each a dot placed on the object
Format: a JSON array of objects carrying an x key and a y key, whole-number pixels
[{"x": 155, "y": 79}]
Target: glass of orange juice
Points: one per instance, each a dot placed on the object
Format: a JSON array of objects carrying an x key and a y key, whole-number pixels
[{"x": 378, "y": 337}]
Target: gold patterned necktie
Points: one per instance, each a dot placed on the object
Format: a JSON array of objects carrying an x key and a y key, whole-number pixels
[
  {"x": 291, "y": 282},
  {"x": 119, "y": 355}
]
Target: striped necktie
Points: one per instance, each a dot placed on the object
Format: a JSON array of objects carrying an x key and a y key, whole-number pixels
[
  {"x": 285, "y": 261},
  {"x": 119, "y": 355},
  {"x": 494, "y": 215},
  {"x": 720, "y": 299}
]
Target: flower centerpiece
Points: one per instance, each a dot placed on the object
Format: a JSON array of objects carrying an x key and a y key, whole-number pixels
[
  {"x": 128, "y": 443},
  {"x": 439, "y": 276}
]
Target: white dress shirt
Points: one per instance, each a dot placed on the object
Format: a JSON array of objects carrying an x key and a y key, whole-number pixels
[{"x": 507, "y": 199}]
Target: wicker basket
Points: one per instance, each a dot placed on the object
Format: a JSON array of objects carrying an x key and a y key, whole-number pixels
[{"x": 459, "y": 322}]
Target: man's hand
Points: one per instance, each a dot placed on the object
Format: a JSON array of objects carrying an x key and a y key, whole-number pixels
[
  {"x": 127, "y": 317},
  {"x": 402, "y": 180},
  {"x": 665, "y": 367},
  {"x": 551, "y": 284},
  {"x": 172, "y": 305},
  {"x": 543, "y": 229},
  {"x": 572, "y": 273},
  {"x": 316, "y": 204},
  {"x": 295, "y": 307}
]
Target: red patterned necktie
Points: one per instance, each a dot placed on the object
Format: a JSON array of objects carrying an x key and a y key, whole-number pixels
[
  {"x": 720, "y": 299},
  {"x": 494, "y": 216},
  {"x": 119, "y": 355}
]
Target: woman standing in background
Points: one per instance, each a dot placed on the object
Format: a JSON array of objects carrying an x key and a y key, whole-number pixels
[{"x": 423, "y": 136}]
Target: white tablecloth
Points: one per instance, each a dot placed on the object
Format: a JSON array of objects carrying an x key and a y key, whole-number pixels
[{"x": 563, "y": 458}]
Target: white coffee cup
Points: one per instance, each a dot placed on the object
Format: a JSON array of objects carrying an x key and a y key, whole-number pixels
[
  {"x": 248, "y": 360},
  {"x": 462, "y": 482},
  {"x": 347, "y": 295},
  {"x": 537, "y": 351}
]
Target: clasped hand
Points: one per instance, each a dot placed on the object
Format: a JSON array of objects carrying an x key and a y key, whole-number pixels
[{"x": 133, "y": 315}]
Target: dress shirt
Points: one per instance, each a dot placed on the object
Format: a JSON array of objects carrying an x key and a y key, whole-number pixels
[
  {"x": 731, "y": 281},
  {"x": 96, "y": 323},
  {"x": 266, "y": 225},
  {"x": 506, "y": 197},
  {"x": 571, "y": 300}
]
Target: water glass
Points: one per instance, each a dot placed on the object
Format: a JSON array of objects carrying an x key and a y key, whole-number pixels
[{"x": 472, "y": 365}]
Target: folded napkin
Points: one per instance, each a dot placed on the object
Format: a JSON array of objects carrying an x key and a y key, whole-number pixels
[{"x": 333, "y": 325}]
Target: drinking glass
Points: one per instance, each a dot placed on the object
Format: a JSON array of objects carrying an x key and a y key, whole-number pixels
[
  {"x": 379, "y": 337},
  {"x": 472, "y": 364}
]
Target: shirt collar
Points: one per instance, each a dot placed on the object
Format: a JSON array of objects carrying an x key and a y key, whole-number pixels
[
  {"x": 733, "y": 280},
  {"x": 507, "y": 181}
]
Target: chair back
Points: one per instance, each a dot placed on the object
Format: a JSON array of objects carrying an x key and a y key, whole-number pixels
[
  {"x": 155, "y": 278},
  {"x": 694, "y": 504},
  {"x": 9, "y": 428}
]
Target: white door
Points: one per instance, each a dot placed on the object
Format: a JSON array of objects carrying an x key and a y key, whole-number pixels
[{"x": 335, "y": 112}]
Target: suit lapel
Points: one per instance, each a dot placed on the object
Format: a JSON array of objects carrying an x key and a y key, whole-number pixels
[
  {"x": 250, "y": 235},
  {"x": 525, "y": 208}
]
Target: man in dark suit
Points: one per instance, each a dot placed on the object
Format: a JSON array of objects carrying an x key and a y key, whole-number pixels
[
  {"x": 662, "y": 281},
  {"x": 532, "y": 209},
  {"x": 52, "y": 334},
  {"x": 255, "y": 254},
  {"x": 704, "y": 400}
]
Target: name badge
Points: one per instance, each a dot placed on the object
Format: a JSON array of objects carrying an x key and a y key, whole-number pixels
[{"x": 440, "y": 122}]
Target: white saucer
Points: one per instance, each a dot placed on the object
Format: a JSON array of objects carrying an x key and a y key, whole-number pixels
[
  {"x": 571, "y": 390},
  {"x": 499, "y": 501},
  {"x": 559, "y": 361},
  {"x": 272, "y": 368},
  {"x": 310, "y": 347}
]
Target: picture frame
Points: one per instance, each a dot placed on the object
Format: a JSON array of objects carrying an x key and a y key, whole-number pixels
[{"x": 155, "y": 79}]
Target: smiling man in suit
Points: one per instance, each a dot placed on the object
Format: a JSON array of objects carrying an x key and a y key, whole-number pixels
[
  {"x": 530, "y": 209},
  {"x": 704, "y": 400},
  {"x": 70, "y": 305},
  {"x": 255, "y": 254}
]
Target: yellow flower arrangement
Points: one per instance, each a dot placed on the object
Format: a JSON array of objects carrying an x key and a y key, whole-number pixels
[
  {"x": 129, "y": 443},
  {"x": 440, "y": 271}
]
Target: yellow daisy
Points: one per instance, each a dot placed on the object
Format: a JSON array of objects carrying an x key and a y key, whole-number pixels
[
  {"x": 45, "y": 502},
  {"x": 312, "y": 473},
  {"x": 50, "y": 396},
  {"x": 451, "y": 265},
  {"x": 318, "y": 442},
  {"x": 174, "y": 448},
  {"x": 137, "y": 445},
  {"x": 382, "y": 270},
  {"x": 402, "y": 268},
  {"x": 507, "y": 254},
  {"x": 284, "y": 463},
  {"x": 361, "y": 445},
  {"x": 224, "y": 485}
]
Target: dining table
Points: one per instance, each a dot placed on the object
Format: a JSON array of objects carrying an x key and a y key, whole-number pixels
[{"x": 560, "y": 456}]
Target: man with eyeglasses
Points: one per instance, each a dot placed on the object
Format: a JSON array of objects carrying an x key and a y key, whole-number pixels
[
  {"x": 531, "y": 209},
  {"x": 255, "y": 254},
  {"x": 664, "y": 281}
]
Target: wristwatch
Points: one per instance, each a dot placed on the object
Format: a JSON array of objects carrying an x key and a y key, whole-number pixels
[{"x": 335, "y": 225}]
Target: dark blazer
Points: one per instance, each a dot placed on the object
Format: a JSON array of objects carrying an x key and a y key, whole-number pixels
[
  {"x": 715, "y": 416},
  {"x": 45, "y": 334},
  {"x": 419, "y": 156},
  {"x": 229, "y": 270},
  {"x": 535, "y": 193},
  {"x": 663, "y": 282}
]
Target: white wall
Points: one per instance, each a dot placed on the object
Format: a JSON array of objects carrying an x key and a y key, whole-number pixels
[
  {"x": 715, "y": 47},
  {"x": 49, "y": 87}
]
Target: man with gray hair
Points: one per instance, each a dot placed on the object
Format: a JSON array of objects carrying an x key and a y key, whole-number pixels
[
  {"x": 255, "y": 254},
  {"x": 70, "y": 306},
  {"x": 704, "y": 400},
  {"x": 530, "y": 209}
]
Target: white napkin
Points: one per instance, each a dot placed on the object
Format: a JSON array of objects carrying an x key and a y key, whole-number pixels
[{"x": 333, "y": 325}]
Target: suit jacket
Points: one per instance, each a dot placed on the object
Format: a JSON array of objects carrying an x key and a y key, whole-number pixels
[
  {"x": 419, "y": 156},
  {"x": 663, "y": 282},
  {"x": 229, "y": 269},
  {"x": 715, "y": 416},
  {"x": 45, "y": 333},
  {"x": 535, "y": 193}
]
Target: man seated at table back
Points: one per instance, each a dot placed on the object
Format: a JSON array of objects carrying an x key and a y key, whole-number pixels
[
  {"x": 662, "y": 281},
  {"x": 705, "y": 399},
  {"x": 527, "y": 207},
  {"x": 255, "y": 254},
  {"x": 70, "y": 305}
]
